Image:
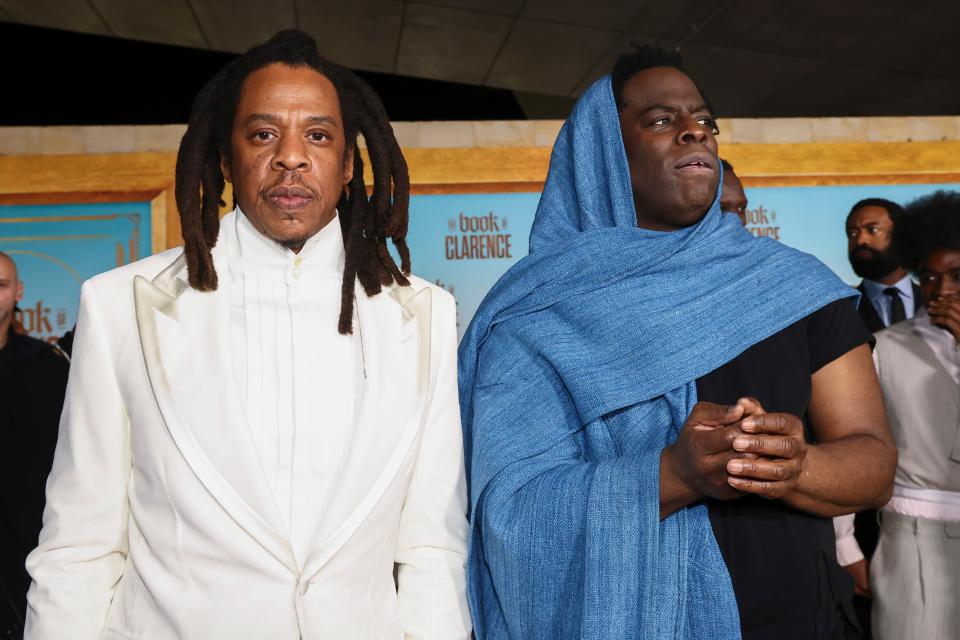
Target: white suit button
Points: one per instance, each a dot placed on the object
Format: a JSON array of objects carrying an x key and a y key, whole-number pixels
[{"x": 304, "y": 587}]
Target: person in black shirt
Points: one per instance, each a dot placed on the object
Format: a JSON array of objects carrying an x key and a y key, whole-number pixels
[
  {"x": 782, "y": 560},
  {"x": 33, "y": 380},
  {"x": 801, "y": 410}
]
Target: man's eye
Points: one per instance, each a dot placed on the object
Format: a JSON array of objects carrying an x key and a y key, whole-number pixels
[
  {"x": 710, "y": 123},
  {"x": 659, "y": 122},
  {"x": 263, "y": 135},
  {"x": 873, "y": 230},
  {"x": 318, "y": 136}
]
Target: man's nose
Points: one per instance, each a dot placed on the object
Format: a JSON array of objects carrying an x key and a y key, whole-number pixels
[
  {"x": 291, "y": 155},
  {"x": 691, "y": 130}
]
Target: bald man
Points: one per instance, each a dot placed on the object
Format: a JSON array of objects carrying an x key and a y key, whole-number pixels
[{"x": 33, "y": 379}]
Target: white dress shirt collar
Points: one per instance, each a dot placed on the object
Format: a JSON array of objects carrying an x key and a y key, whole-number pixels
[{"x": 322, "y": 255}]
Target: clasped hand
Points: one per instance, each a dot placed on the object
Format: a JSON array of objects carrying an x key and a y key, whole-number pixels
[{"x": 726, "y": 451}]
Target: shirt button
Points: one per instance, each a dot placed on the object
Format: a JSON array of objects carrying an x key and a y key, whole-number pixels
[
  {"x": 297, "y": 261},
  {"x": 304, "y": 587},
  {"x": 296, "y": 275}
]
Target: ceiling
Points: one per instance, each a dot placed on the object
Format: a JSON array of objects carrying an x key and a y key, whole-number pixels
[{"x": 753, "y": 58}]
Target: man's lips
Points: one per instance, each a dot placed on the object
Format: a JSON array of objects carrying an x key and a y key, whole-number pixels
[
  {"x": 290, "y": 197},
  {"x": 695, "y": 163}
]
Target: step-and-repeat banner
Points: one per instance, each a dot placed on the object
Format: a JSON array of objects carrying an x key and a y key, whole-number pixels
[
  {"x": 57, "y": 247},
  {"x": 464, "y": 242},
  {"x": 461, "y": 241}
]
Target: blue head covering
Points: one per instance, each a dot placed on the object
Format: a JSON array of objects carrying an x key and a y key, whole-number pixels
[{"x": 577, "y": 370}]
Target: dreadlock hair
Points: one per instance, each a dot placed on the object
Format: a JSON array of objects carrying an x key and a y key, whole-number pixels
[
  {"x": 935, "y": 223},
  {"x": 366, "y": 221},
  {"x": 901, "y": 240},
  {"x": 643, "y": 57}
]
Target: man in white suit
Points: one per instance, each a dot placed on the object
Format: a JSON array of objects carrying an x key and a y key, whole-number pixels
[{"x": 261, "y": 435}]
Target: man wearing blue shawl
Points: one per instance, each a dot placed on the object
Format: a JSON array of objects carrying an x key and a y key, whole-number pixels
[{"x": 606, "y": 501}]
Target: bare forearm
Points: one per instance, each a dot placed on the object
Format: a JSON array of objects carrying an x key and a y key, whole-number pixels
[{"x": 845, "y": 475}]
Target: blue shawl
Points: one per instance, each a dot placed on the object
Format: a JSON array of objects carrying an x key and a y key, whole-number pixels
[{"x": 577, "y": 370}]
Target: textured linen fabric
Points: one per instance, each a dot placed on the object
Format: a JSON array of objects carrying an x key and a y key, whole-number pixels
[
  {"x": 300, "y": 381},
  {"x": 575, "y": 373}
]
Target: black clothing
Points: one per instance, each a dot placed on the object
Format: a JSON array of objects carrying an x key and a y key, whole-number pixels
[
  {"x": 783, "y": 562},
  {"x": 33, "y": 380}
]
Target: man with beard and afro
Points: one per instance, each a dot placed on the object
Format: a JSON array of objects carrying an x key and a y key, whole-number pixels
[
  {"x": 915, "y": 571},
  {"x": 878, "y": 243},
  {"x": 875, "y": 242}
]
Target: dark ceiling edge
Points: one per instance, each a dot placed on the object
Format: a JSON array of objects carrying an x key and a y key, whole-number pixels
[
  {"x": 96, "y": 11},
  {"x": 203, "y": 32}
]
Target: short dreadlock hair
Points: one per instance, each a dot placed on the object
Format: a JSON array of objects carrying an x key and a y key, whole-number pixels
[
  {"x": 643, "y": 57},
  {"x": 935, "y": 223},
  {"x": 366, "y": 221}
]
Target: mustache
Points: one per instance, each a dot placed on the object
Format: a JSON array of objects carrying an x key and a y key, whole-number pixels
[
  {"x": 291, "y": 183},
  {"x": 860, "y": 251}
]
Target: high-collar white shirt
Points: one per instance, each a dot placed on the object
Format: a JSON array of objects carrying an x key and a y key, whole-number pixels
[{"x": 300, "y": 381}]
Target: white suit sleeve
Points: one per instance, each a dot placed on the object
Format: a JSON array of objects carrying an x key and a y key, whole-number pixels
[
  {"x": 432, "y": 543},
  {"x": 83, "y": 545}
]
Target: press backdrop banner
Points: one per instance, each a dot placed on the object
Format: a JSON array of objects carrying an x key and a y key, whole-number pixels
[
  {"x": 57, "y": 247},
  {"x": 464, "y": 242},
  {"x": 461, "y": 241}
]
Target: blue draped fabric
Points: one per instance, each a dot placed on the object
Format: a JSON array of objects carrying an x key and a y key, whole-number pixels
[{"x": 577, "y": 370}]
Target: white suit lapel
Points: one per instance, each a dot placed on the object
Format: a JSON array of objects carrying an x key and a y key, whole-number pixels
[
  {"x": 185, "y": 339},
  {"x": 395, "y": 334}
]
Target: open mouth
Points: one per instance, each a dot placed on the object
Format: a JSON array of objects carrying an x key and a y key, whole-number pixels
[{"x": 695, "y": 163}]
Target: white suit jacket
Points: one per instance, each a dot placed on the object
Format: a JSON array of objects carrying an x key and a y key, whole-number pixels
[{"x": 160, "y": 523}]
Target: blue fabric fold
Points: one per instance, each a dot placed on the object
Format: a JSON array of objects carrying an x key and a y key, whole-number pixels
[{"x": 578, "y": 368}]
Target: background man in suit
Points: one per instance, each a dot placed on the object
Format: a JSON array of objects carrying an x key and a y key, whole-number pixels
[
  {"x": 877, "y": 243},
  {"x": 876, "y": 238},
  {"x": 262, "y": 429},
  {"x": 915, "y": 571},
  {"x": 33, "y": 377}
]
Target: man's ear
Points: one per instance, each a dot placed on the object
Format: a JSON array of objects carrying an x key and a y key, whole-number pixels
[
  {"x": 19, "y": 295},
  {"x": 225, "y": 167},
  {"x": 348, "y": 164}
]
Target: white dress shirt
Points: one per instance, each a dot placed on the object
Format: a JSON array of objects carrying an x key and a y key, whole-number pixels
[{"x": 300, "y": 380}]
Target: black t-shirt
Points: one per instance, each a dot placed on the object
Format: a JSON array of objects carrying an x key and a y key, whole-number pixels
[{"x": 782, "y": 561}]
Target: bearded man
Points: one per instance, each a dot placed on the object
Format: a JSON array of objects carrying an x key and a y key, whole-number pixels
[
  {"x": 261, "y": 435},
  {"x": 876, "y": 240}
]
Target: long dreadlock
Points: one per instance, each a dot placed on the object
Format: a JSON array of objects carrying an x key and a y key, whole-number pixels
[{"x": 366, "y": 222}]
